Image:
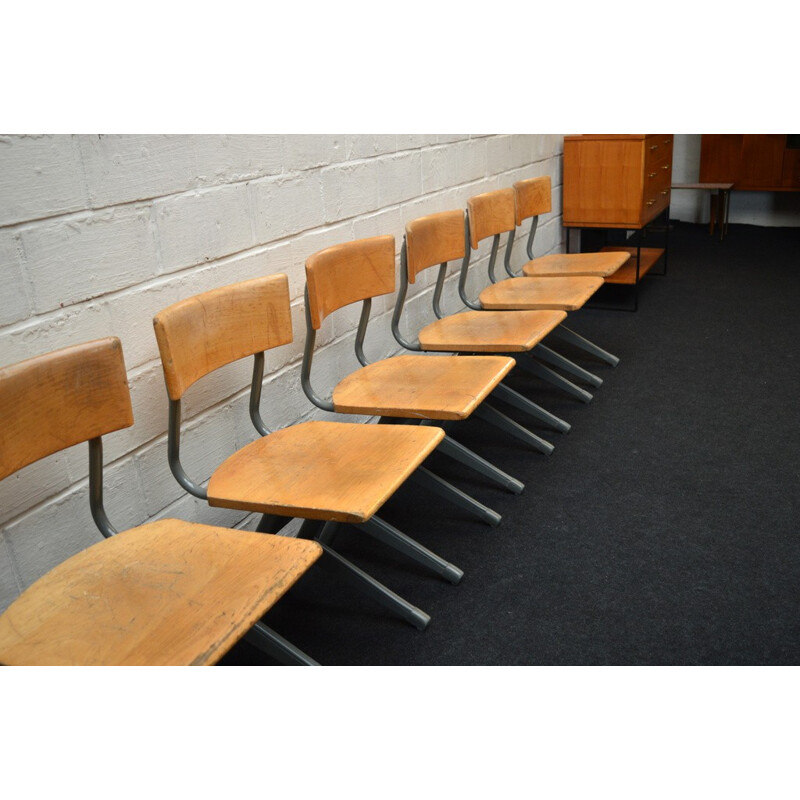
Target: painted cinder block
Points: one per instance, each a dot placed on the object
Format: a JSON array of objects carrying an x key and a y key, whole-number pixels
[
  {"x": 365, "y": 145},
  {"x": 201, "y": 226},
  {"x": 350, "y": 189},
  {"x": 303, "y": 151},
  {"x": 15, "y": 303},
  {"x": 125, "y": 168},
  {"x": 40, "y": 176},
  {"x": 91, "y": 255},
  {"x": 286, "y": 206},
  {"x": 224, "y": 158}
]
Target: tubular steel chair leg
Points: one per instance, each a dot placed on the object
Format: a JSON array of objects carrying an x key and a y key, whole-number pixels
[
  {"x": 547, "y": 374},
  {"x": 388, "y": 534},
  {"x": 491, "y": 415},
  {"x": 557, "y": 360},
  {"x": 508, "y": 395},
  {"x": 325, "y": 536},
  {"x": 450, "y": 447},
  {"x": 366, "y": 583},
  {"x": 427, "y": 479},
  {"x": 275, "y": 646},
  {"x": 584, "y": 344}
]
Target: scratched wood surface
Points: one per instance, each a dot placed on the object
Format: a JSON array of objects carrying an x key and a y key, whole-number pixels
[
  {"x": 561, "y": 265},
  {"x": 565, "y": 294},
  {"x": 434, "y": 239},
  {"x": 166, "y": 593},
  {"x": 491, "y": 213},
  {"x": 347, "y": 273},
  {"x": 489, "y": 331},
  {"x": 421, "y": 387},
  {"x": 59, "y": 399},
  {"x": 532, "y": 198},
  {"x": 322, "y": 470},
  {"x": 204, "y": 332}
]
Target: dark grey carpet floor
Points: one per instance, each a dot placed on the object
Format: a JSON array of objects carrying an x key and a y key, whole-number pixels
[{"x": 664, "y": 527}]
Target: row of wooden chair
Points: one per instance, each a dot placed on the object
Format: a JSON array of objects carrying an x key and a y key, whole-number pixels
[{"x": 174, "y": 592}]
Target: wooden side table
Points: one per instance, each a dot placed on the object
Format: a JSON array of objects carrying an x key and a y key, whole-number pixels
[{"x": 720, "y": 203}]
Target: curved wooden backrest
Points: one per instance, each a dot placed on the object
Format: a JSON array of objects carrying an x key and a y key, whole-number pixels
[
  {"x": 491, "y": 213},
  {"x": 533, "y": 197},
  {"x": 434, "y": 239},
  {"x": 346, "y": 273},
  {"x": 202, "y": 333},
  {"x": 59, "y": 399}
]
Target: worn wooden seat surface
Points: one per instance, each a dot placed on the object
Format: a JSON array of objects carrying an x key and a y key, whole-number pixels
[
  {"x": 421, "y": 387},
  {"x": 407, "y": 386},
  {"x": 169, "y": 592},
  {"x": 565, "y": 294},
  {"x": 166, "y": 593},
  {"x": 338, "y": 471},
  {"x": 489, "y": 331},
  {"x": 599, "y": 265}
]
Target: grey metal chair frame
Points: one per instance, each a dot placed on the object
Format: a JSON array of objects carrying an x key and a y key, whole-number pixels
[
  {"x": 504, "y": 393},
  {"x": 317, "y": 530},
  {"x": 448, "y": 446},
  {"x": 561, "y": 331}
]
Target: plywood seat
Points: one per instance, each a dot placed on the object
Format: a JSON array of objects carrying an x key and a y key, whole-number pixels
[
  {"x": 565, "y": 294},
  {"x": 323, "y": 472},
  {"x": 166, "y": 593},
  {"x": 599, "y": 265},
  {"x": 421, "y": 387},
  {"x": 489, "y": 331},
  {"x": 336, "y": 471}
]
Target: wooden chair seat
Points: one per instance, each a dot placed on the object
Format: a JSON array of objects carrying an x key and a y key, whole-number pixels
[
  {"x": 599, "y": 265},
  {"x": 419, "y": 386},
  {"x": 489, "y": 331},
  {"x": 320, "y": 470},
  {"x": 165, "y": 593},
  {"x": 566, "y": 294}
]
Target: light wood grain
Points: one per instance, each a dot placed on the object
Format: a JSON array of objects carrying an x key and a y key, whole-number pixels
[
  {"x": 322, "y": 470},
  {"x": 489, "y": 331},
  {"x": 59, "y": 399},
  {"x": 349, "y": 272},
  {"x": 202, "y": 333},
  {"x": 616, "y": 181},
  {"x": 627, "y": 273},
  {"x": 491, "y": 213},
  {"x": 433, "y": 240},
  {"x": 566, "y": 294},
  {"x": 421, "y": 387},
  {"x": 532, "y": 198},
  {"x": 561, "y": 265},
  {"x": 165, "y": 593}
]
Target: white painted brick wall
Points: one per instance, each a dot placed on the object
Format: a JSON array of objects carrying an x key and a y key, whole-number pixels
[{"x": 98, "y": 233}]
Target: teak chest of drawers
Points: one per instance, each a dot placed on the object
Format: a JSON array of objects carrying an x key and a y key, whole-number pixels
[{"x": 619, "y": 181}]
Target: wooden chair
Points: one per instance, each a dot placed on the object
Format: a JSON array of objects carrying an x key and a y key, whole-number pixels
[
  {"x": 409, "y": 388},
  {"x": 533, "y": 198},
  {"x": 164, "y": 593},
  {"x": 322, "y": 472},
  {"x": 490, "y": 215},
  {"x": 437, "y": 239}
]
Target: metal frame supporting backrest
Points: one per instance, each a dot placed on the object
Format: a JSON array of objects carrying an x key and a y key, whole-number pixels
[
  {"x": 440, "y": 250},
  {"x": 339, "y": 276},
  {"x": 500, "y": 218},
  {"x": 537, "y": 201},
  {"x": 237, "y": 321},
  {"x": 60, "y": 399}
]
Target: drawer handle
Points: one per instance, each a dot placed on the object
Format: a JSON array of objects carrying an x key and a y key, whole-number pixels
[
  {"x": 666, "y": 166},
  {"x": 650, "y": 202},
  {"x": 665, "y": 192},
  {"x": 654, "y": 147},
  {"x": 667, "y": 141},
  {"x": 652, "y": 175}
]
